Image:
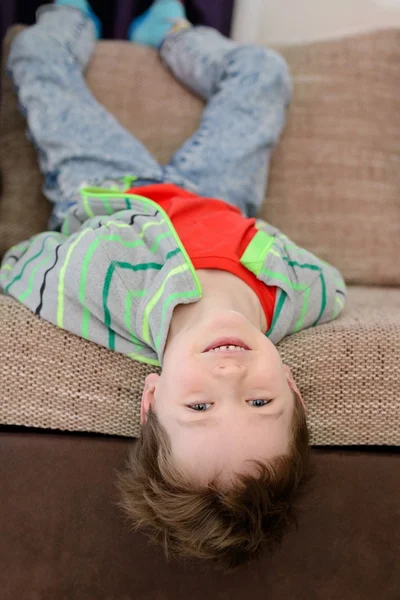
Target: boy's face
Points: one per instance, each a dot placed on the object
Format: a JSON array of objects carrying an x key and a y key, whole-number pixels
[{"x": 222, "y": 408}]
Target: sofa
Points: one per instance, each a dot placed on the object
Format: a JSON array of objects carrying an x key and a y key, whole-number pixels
[{"x": 67, "y": 425}]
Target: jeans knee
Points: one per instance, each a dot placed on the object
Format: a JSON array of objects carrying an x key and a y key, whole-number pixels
[
  {"x": 274, "y": 66},
  {"x": 270, "y": 68}
]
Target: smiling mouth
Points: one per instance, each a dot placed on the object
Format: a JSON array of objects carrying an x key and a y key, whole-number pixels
[{"x": 227, "y": 345}]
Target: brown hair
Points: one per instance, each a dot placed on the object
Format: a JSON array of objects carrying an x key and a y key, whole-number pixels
[{"x": 231, "y": 526}]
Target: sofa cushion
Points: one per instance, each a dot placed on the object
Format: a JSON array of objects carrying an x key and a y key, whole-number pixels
[
  {"x": 335, "y": 176},
  {"x": 334, "y": 179},
  {"x": 347, "y": 371}
]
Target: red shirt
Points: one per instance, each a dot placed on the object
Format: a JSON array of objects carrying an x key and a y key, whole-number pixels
[{"x": 214, "y": 234}]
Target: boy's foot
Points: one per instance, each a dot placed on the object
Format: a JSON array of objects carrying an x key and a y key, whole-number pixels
[
  {"x": 151, "y": 28},
  {"x": 85, "y": 7}
]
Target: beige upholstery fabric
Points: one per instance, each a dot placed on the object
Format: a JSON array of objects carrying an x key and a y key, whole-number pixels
[
  {"x": 335, "y": 178},
  {"x": 347, "y": 371},
  {"x": 334, "y": 188}
]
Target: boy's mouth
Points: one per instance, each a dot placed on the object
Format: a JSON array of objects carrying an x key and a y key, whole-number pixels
[{"x": 227, "y": 345}]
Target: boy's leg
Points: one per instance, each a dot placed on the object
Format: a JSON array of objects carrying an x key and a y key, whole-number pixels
[
  {"x": 77, "y": 139},
  {"x": 247, "y": 89}
]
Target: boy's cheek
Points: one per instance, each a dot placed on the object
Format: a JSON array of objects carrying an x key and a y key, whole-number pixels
[{"x": 181, "y": 373}]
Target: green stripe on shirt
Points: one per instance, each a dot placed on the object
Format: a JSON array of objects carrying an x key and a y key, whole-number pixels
[
  {"x": 171, "y": 298},
  {"x": 61, "y": 281},
  {"x": 155, "y": 299},
  {"x": 85, "y": 267},
  {"x": 303, "y": 313},
  {"x": 18, "y": 277},
  {"x": 277, "y": 311},
  {"x": 106, "y": 291},
  {"x": 323, "y": 299},
  {"x": 281, "y": 277}
]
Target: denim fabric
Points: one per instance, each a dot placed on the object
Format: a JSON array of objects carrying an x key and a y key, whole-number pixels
[{"x": 247, "y": 90}]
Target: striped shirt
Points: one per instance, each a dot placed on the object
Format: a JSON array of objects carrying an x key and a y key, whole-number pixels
[{"x": 117, "y": 270}]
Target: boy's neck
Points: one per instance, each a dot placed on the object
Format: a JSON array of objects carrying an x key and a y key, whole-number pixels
[{"x": 221, "y": 290}]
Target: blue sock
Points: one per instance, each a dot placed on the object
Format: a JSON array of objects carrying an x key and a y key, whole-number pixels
[
  {"x": 85, "y": 7},
  {"x": 152, "y": 26}
]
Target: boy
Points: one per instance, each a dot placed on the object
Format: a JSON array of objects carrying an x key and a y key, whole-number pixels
[{"x": 167, "y": 265}]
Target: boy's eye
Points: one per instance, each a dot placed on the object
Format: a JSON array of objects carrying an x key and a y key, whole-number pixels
[
  {"x": 200, "y": 407},
  {"x": 259, "y": 403}
]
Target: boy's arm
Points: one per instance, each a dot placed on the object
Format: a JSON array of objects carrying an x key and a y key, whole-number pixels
[
  {"x": 311, "y": 291},
  {"x": 90, "y": 283}
]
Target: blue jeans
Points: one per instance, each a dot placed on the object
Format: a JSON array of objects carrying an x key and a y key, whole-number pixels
[{"x": 246, "y": 88}]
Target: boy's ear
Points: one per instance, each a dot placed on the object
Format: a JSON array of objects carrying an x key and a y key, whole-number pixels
[
  {"x": 292, "y": 383},
  {"x": 148, "y": 396}
]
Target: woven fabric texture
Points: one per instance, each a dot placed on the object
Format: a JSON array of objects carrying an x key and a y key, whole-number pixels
[
  {"x": 347, "y": 371},
  {"x": 335, "y": 177}
]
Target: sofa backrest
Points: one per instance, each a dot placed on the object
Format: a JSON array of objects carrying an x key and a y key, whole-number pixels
[{"x": 335, "y": 176}]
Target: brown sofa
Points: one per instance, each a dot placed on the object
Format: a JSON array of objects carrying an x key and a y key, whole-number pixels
[{"x": 334, "y": 188}]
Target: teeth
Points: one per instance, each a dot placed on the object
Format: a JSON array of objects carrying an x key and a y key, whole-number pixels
[{"x": 228, "y": 348}]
